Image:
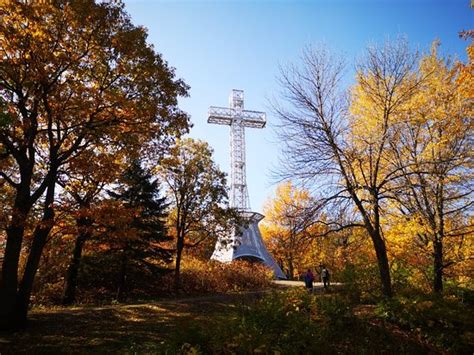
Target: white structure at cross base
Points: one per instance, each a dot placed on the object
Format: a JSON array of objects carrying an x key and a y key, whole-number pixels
[{"x": 246, "y": 242}]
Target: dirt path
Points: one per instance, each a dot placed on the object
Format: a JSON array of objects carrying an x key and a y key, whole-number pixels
[{"x": 317, "y": 285}]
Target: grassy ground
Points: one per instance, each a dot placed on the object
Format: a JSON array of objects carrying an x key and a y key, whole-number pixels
[
  {"x": 283, "y": 322},
  {"x": 116, "y": 328}
]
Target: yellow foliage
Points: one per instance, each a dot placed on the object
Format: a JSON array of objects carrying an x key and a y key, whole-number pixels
[{"x": 287, "y": 228}]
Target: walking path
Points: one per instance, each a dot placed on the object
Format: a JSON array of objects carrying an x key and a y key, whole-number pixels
[{"x": 293, "y": 283}]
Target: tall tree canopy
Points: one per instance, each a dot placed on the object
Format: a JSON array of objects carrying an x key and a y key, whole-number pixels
[
  {"x": 343, "y": 152},
  {"x": 434, "y": 151},
  {"x": 72, "y": 75},
  {"x": 398, "y": 142}
]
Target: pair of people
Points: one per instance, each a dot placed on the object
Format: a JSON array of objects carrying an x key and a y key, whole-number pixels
[{"x": 309, "y": 278}]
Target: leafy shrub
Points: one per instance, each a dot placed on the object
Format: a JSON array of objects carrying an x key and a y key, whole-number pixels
[
  {"x": 98, "y": 276},
  {"x": 291, "y": 322},
  {"x": 50, "y": 293},
  {"x": 465, "y": 295},
  {"x": 277, "y": 323},
  {"x": 362, "y": 282},
  {"x": 97, "y": 281},
  {"x": 446, "y": 322},
  {"x": 208, "y": 276},
  {"x": 335, "y": 311}
]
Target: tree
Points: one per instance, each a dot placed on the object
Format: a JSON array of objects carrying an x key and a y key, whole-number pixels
[
  {"x": 83, "y": 181},
  {"x": 434, "y": 151},
  {"x": 466, "y": 75},
  {"x": 198, "y": 195},
  {"x": 287, "y": 227},
  {"x": 72, "y": 75},
  {"x": 341, "y": 143},
  {"x": 141, "y": 195}
]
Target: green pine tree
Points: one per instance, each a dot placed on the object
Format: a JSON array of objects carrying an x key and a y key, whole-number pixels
[{"x": 139, "y": 192}]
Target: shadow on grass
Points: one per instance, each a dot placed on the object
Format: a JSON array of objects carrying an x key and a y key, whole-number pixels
[{"x": 115, "y": 328}]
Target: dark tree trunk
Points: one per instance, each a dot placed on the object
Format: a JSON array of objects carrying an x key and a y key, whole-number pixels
[
  {"x": 438, "y": 265},
  {"x": 9, "y": 279},
  {"x": 438, "y": 262},
  {"x": 382, "y": 261},
  {"x": 9, "y": 282},
  {"x": 372, "y": 225},
  {"x": 70, "y": 282},
  {"x": 179, "y": 252},
  {"x": 122, "y": 278},
  {"x": 40, "y": 236},
  {"x": 291, "y": 269}
]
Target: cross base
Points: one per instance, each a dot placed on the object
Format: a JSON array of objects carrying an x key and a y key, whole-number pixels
[{"x": 247, "y": 243}]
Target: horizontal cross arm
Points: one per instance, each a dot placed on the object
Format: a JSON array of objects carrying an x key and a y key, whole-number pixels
[
  {"x": 219, "y": 115},
  {"x": 254, "y": 119},
  {"x": 225, "y": 116}
]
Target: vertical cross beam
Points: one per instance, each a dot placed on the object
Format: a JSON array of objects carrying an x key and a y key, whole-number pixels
[{"x": 238, "y": 185}]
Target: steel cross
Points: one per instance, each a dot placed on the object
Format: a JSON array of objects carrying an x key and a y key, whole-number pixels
[{"x": 237, "y": 118}]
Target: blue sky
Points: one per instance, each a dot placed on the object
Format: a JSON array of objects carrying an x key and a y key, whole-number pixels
[{"x": 217, "y": 46}]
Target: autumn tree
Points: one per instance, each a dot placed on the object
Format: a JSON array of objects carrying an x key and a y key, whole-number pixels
[
  {"x": 287, "y": 227},
  {"x": 340, "y": 142},
  {"x": 198, "y": 196},
  {"x": 434, "y": 151},
  {"x": 72, "y": 75},
  {"x": 466, "y": 74},
  {"x": 83, "y": 181}
]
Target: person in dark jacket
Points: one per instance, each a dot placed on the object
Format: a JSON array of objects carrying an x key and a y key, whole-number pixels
[
  {"x": 325, "y": 276},
  {"x": 308, "y": 280}
]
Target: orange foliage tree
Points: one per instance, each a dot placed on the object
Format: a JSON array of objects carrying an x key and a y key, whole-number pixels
[{"x": 72, "y": 75}]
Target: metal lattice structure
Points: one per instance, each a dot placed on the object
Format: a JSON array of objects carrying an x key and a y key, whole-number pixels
[
  {"x": 246, "y": 242},
  {"x": 238, "y": 119}
]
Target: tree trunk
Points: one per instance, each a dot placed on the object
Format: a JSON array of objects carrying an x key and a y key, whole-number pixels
[
  {"x": 40, "y": 236},
  {"x": 122, "y": 279},
  {"x": 9, "y": 282},
  {"x": 438, "y": 265},
  {"x": 438, "y": 240},
  {"x": 179, "y": 251},
  {"x": 9, "y": 278},
  {"x": 291, "y": 269},
  {"x": 382, "y": 261},
  {"x": 70, "y": 282}
]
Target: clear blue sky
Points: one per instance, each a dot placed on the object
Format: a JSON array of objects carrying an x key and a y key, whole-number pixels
[{"x": 216, "y": 46}]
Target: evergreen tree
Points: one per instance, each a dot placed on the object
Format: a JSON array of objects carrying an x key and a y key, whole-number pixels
[{"x": 141, "y": 194}]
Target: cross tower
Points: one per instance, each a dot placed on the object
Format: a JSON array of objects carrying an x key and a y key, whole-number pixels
[
  {"x": 237, "y": 118},
  {"x": 247, "y": 241}
]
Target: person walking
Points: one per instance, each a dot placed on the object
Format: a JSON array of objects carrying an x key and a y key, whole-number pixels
[
  {"x": 325, "y": 276},
  {"x": 308, "y": 280}
]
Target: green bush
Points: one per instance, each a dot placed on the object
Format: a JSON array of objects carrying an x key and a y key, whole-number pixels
[
  {"x": 291, "y": 322},
  {"x": 362, "y": 282},
  {"x": 463, "y": 294},
  {"x": 445, "y": 322},
  {"x": 335, "y": 311},
  {"x": 277, "y": 323}
]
